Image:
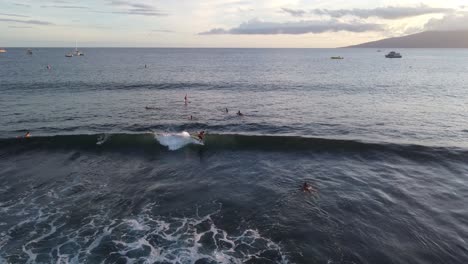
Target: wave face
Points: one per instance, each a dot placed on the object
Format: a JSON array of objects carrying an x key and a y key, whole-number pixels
[{"x": 174, "y": 141}]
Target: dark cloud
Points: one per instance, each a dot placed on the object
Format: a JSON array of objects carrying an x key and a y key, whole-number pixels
[
  {"x": 65, "y": 7},
  {"x": 18, "y": 27},
  {"x": 294, "y": 12},
  {"x": 12, "y": 15},
  {"x": 450, "y": 22},
  {"x": 257, "y": 27},
  {"x": 133, "y": 8},
  {"x": 390, "y": 12},
  {"x": 32, "y": 22}
]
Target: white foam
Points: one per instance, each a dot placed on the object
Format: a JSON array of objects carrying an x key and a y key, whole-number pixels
[
  {"x": 180, "y": 241},
  {"x": 175, "y": 141},
  {"x": 102, "y": 139},
  {"x": 142, "y": 238}
]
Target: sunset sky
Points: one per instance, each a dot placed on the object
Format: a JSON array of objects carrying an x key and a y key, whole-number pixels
[{"x": 222, "y": 23}]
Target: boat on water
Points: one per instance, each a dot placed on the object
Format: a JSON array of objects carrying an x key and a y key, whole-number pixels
[
  {"x": 393, "y": 55},
  {"x": 77, "y": 52},
  {"x": 2, "y": 50},
  {"x": 337, "y": 58},
  {"x": 69, "y": 55},
  {"x": 29, "y": 51}
]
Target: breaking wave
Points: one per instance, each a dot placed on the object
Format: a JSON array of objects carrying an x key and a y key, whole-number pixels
[{"x": 161, "y": 142}]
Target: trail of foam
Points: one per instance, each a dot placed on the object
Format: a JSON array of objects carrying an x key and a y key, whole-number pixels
[
  {"x": 186, "y": 240},
  {"x": 145, "y": 238},
  {"x": 102, "y": 139}
]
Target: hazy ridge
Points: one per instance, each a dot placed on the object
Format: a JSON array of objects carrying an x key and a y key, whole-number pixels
[{"x": 428, "y": 39}]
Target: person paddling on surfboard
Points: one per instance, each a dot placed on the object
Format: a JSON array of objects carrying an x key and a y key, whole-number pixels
[
  {"x": 185, "y": 99},
  {"x": 307, "y": 188},
  {"x": 239, "y": 113}
]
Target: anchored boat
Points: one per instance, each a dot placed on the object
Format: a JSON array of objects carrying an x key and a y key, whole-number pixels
[{"x": 393, "y": 55}]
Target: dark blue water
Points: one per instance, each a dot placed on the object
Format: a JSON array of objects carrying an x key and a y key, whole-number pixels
[{"x": 108, "y": 177}]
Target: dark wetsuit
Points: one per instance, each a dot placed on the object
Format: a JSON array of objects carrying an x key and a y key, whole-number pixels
[{"x": 201, "y": 135}]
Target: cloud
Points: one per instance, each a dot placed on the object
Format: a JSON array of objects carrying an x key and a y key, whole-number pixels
[
  {"x": 132, "y": 8},
  {"x": 12, "y": 15},
  {"x": 162, "y": 31},
  {"x": 141, "y": 13},
  {"x": 389, "y": 12},
  {"x": 66, "y": 7},
  {"x": 131, "y": 4},
  {"x": 32, "y": 22},
  {"x": 257, "y": 27},
  {"x": 23, "y": 5},
  {"x": 450, "y": 22},
  {"x": 294, "y": 12},
  {"x": 235, "y": 3},
  {"x": 18, "y": 27}
]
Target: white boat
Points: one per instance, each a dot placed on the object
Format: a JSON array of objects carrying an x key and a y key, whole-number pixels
[
  {"x": 77, "y": 52},
  {"x": 393, "y": 55},
  {"x": 2, "y": 50},
  {"x": 69, "y": 55}
]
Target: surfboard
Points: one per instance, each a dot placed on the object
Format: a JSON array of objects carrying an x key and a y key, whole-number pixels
[{"x": 196, "y": 138}]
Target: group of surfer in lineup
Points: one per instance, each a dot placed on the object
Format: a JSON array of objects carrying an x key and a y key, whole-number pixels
[
  {"x": 191, "y": 117},
  {"x": 306, "y": 187},
  {"x": 201, "y": 135}
]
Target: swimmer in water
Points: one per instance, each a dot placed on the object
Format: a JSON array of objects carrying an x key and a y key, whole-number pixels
[
  {"x": 307, "y": 188},
  {"x": 239, "y": 113},
  {"x": 27, "y": 135},
  {"x": 201, "y": 135},
  {"x": 48, "y": 67},
  {"x": 185, "y": 99}
]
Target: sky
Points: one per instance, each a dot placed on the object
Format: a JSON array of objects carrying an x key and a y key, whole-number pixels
[{"x": 221, "y": 23}]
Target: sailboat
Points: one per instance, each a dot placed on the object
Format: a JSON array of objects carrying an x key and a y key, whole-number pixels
[{"x": 77, "y": 52}]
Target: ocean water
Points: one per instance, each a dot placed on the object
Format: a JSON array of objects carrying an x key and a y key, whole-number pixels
[{"x": 109, "y": 176}]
